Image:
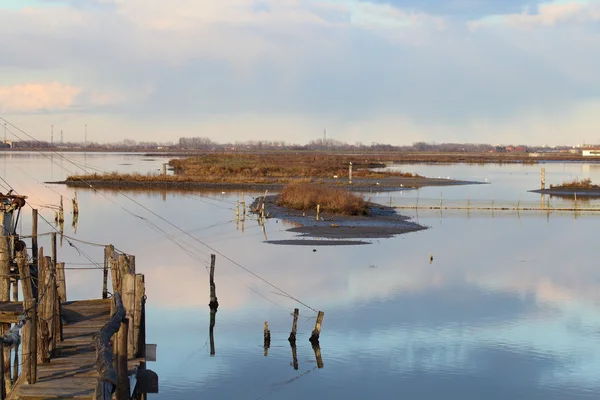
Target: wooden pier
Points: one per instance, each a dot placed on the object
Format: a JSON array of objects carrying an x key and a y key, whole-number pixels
[{"x": 84, "y": 349}]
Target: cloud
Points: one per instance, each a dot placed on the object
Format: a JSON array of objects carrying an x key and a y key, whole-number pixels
[
  {"x": 34, "y": 97},
  {"x": 462, "y": 8},
  {"x": 548, "y": 14},
  {"x": 347, "y": 64}
]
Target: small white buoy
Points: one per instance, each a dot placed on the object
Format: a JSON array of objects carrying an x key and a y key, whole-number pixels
[{"x": 222, "y": 192}]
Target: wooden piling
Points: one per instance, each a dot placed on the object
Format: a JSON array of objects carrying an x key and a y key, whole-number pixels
[
  {"x": 53, "y": 241},
  {"x": 292, "y": 338},
  {"x": 115, "y": 275},
  {"x": 211, "y": 330},
  {"x": 317, "y": 349},
  {"x": 4, "y": 262},
  {"x": 318, "y": 211},
  {"x": 294, "y": 355},
  {"x": 29, "y": 330},
  {"x": 2, "y": 380},
  {"x": 61, "y": 212},
  {"x": 243, "y": 207},
  {"x": 34, "y": 235},
  {"x": 128, "y": 291},
  {"x": 350, "y": 173},
  {"x": 61, "y": 281},
  {"x": 75, "y": 206},
  {"x": 5, "y": 363},
  {"x": 543, "y": 179},
  {"x": 214, "y": 303},
  {"x": 267, "y": 337},
  {"x": 43, "y": 340},
  {"x": 122, "y": 369},
  {"x": 131, "y": 263},
  {"x": 314, "y": 338},
  {"x": 109, "y": 251},
  {"x": 140, "y": 294},
  {"x": 50, "y": 304}
]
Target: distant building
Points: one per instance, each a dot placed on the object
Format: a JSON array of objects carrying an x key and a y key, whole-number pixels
[{"x": 591, "y": 152}]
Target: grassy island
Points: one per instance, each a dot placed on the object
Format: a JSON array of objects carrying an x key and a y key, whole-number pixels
[
  {"x": 306, "y": 196},
  {"x": 585, "y": 184}
]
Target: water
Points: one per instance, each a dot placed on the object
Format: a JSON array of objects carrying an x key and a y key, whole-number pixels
[{"x": 509, "y": 308}]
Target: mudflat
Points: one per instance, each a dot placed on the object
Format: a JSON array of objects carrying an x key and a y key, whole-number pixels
[{"x": 336, "y": 229}]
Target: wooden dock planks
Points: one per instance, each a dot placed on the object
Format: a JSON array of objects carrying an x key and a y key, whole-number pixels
[{"x": 71, "y": 373}]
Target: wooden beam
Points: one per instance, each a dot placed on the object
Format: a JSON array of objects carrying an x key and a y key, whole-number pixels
[{"x": 107, "y": 374}]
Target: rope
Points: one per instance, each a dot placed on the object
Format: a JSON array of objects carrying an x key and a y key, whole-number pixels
[{"x": 162, "y": 219}]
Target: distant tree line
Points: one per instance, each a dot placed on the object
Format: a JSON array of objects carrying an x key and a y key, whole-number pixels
[{"x": 207, "y": 144}]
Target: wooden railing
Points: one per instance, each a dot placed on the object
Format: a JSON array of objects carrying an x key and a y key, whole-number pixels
[{"x": 123, "y": 337}]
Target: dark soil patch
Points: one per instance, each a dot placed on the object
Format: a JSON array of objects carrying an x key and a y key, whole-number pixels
[{"x": 383, "y": 222}]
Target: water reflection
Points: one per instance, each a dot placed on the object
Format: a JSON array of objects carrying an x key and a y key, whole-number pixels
[{"x": 509, "y": 308}]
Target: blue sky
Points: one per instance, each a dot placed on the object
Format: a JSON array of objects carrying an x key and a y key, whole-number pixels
[{"x": 397, "y": 71}]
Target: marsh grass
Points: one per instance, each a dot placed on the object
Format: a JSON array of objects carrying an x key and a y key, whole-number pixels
[
  {"x": 306, "y": 196},
  {"x": 576, "y": 184}
]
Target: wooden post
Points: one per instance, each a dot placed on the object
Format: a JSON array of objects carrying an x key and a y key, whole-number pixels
[
  {"x": 16, "y": 365},
  {"x": 122, "y": 372},
  {"x": 4, "y": 262},
  {"x": 243, "y": 207},
  {"x": 34, "y": 237},
  {"x": 237, "y": 210},
  {"x": 115, "y": 274},
  {"x": 30, "y": 328},
  {"x": 2, "y": 381},
  {"x": 61, "y": 281},
  {"x": 164, "y": 169},
  {"x": 131, "y": 263},
  {"x": 317, "y": 349},
  {"x": 543, "y": 178},
  {"x": 6, "y": 384},
  {"x": 318, "y": 211},
  {"x": 50, "y": 303},
  {"x": 350, "y": 173},
  {"x": 214, "y": 303},
  {"x": 314, "y": 338},
  {"x": 75, "y": 206},
  {"x": 53, "y": 240},
  {"x": 267, "y": 335},
  {"x": 109, "y": 251},
  {"x": 294, "y": 356},
  {"x": 292, "y": 338},
  {"x": 128, "y": 292},
  {"x": 211, "y": 330},
  {"x": 140, "y": 293},
  {"x": 45, "y": 312},
  {"x": 61, "y": 212}
]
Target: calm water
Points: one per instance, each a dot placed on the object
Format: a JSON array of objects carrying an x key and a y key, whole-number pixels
[{"x": 509, "y": 308}]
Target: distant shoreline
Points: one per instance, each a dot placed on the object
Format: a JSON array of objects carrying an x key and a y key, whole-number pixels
[
  {"x": 391, "y": 157},
  {"x": 359, "y": 185}
]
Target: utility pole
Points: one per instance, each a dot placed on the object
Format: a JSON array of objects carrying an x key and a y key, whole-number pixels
[
  {"x": 325, "y": 138},
  {"x": 85, "y": 137},
  {"x": 51, "y": 135},
  {"x": 5, "y": 132},
  {"x": 61, "y": 136}
]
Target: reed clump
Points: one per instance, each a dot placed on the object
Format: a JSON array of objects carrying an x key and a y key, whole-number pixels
[
  {"x": 282, "y": 165},
  {"x": 576, "y": 184},
  {"x": 306, "y": 196}
]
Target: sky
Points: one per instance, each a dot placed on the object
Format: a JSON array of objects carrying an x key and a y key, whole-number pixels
[{"x": 385, "y": 71}]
